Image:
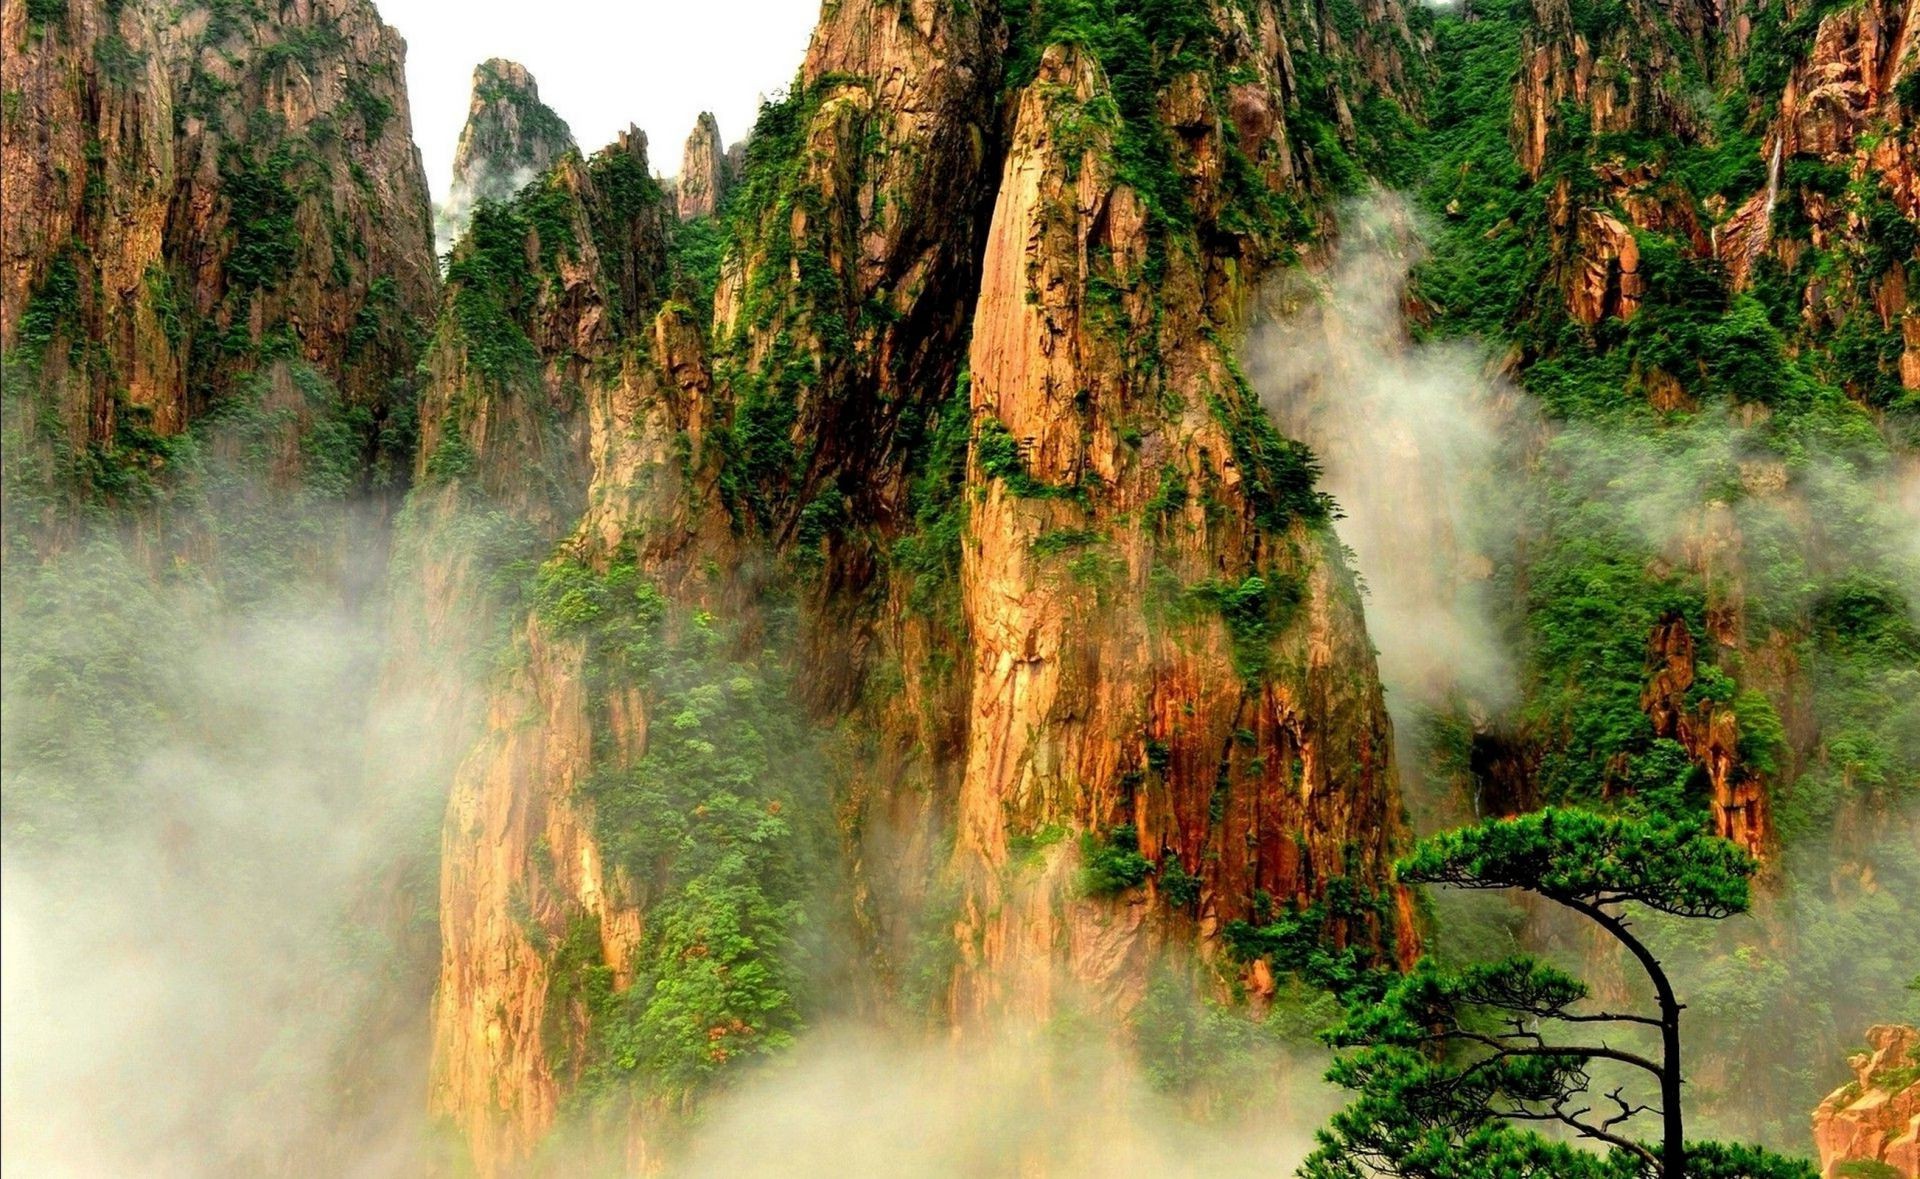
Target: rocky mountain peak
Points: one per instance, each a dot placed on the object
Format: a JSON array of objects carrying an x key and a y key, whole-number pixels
[
  {"x": 704, "y": 171},
  {"x": 510, "y": 138}
]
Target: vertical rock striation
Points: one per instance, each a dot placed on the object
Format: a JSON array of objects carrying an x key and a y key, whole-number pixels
[
  {"x": 1167, "y": 645},
  {"x": 195, "y": 195},
  {"x": 544, "y": 417},
  {"x": 703, "y": 171},
  {"x": 967, "y": 405}
]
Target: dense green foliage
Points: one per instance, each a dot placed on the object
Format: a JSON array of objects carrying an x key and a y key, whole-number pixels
[
  {"x": 1188, "y": 1045},
  {"x": 1256, "y": 610},
  {"x": 715, "y": 824},
  {"x": 265, "y": 240},
  {"x": 1578, "y": 857},
  {"x": 1315, "y": 942},
  {"x": 495, "y": 288},
  {"x": 1113, "y": 864},
  {"x": 930, "y": 552},
  {"x": 1142, "y": 49},
  {"x": 54, "y": 309},
  {"x": 41, "y": 13},
  {"x": 697, "y": 249},
  {"x": 629, "y": 197},
  {"x": 1781, "y": 430}
]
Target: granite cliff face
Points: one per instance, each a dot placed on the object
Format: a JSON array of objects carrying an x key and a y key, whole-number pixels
[
  {"x": 864, "y": 580},
  {"x": 1764, "y": 153},
  {"x": 510, "y": 139},
  {"x": 704, "y": 171},
  {"x": 1048, "y": 591},
  {"x": 1695, "y": 246},
  {"x": 1875, "y": 1118},
  {"x": 539, "y": 379},
  {"x": 1121, "y": 511},
  {"x": 211, "y": 195}
]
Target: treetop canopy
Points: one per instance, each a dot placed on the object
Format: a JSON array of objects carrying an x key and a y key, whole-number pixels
[{"x": 1587, "y": 859}]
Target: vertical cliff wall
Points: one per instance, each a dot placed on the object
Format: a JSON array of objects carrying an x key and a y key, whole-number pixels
[
  {"x": 1167, "y": 647},
  {"x": 217, "y": 277},
  {"x": 196, "y": 195},
  {"x": 704, "y": 174},
  {"x": 864, "y": 581},
  {"x": 1063, "y": 581},
  {"x": 1691, "y": 243}
]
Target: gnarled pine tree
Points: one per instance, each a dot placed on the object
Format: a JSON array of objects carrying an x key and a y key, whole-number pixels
[{"x": 1451, "y": 1064}]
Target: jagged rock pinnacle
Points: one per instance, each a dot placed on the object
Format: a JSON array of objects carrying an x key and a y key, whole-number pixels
[
  {"x": 704, "y": 171},
  {"x": 510, "y": 138}
]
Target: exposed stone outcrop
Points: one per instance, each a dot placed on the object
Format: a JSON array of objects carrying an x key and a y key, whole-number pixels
[
  {"x": 510, "y": 139},
  {"x": 703, "y": 171},
  {"x": 1624, "y": 76},
  {"x": 1848, "y": 85},
  {"x": 1710, "y": 735},
  {"x": 1841, "y": 108},
  {"x": 1024, "y": 686},
  {"x": 576, "y": 437},
  {"x": 211, "y": 193},
  {"x": 1875, "y": 1118},
  {"x": 1844, "y": 108},
  {"x": 1099, "y": 701},
  {"x": 1607, "y": 281}
]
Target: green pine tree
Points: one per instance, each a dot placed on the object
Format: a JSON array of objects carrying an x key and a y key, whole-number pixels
[{"x": 1454, "y": 1068}]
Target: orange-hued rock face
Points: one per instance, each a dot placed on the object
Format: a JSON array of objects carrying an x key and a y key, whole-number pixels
[
  {"x": 703, "y": 171},
  {"x": 1710, "y": 736},
  {"x": 588, "y": 450},
  {"x": 1561, "y": 64},
  {"x": 1054, "y": 689},
  {"x": 131, "y": 136},
  {"x": 1875, "y": 1118},
  {"x": 1092, "y": 710},
  {"x": 1841, "y": 107}
]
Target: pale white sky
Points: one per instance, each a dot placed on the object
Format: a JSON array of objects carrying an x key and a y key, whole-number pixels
[{"x": 602, "y": 64}]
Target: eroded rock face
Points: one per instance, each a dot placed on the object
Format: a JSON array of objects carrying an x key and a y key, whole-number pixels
[
  {"x": 703, "y": 171},
  {"x": 1710, "y": 736},
  {"x": 1841, "y": 107},
  {"x": 202, "y": 200},
  {"x": 1142, "y": 619},
  {"x": 1846, "y": 106},
  {"x": 1625, "y": 76},
  {"x": 510, "y": 139},
  {"x": 1831, "y": 157},
  {"x": 1098, "y": 703},
  {"x": 1875, "y": 1118},
  {"x": 566, "y": 418}
]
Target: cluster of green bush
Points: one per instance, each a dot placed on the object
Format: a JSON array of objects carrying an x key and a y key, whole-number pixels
[{"x": 718, "y": 826}]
